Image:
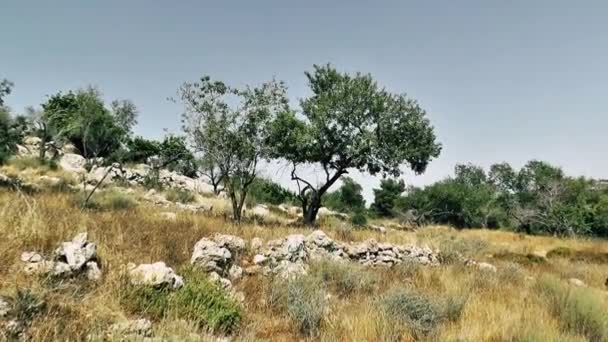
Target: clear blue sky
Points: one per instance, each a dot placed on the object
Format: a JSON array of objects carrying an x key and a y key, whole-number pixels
[{"x": 501, "y": 80}]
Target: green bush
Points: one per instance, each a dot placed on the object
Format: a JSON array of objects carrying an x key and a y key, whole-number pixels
[
  {"x": 266, "y": 191},
  {"x": 578, "y": 310},
  {"x": 413, "y": 309},
  {"x": 345, "y": 277},
  {"x": 198, "y": 301},
  {"x": 179, "y": 195},
  {"x": 151, "y": 180},
  {"x": 359, "y": 218}
]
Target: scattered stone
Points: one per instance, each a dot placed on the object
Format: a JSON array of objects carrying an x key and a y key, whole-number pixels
[
  {"x": 259, "y": 259},
  {"x": 139, "y": 328},
  {"x": 157, "y": 275},
  {"x": 577, "y": 282},
  {"x": 4, "y": 307},
  {"x": 256, "y": 244},
  {"x": 217, "y": 279},
  {"x": 379, "y": 229},
  {"x": 210, "y": 256},
  {"x": 14, "y": 328},
  {"x": 234, "y": 244},
  {"x": 70, "y": 259},
  {"x": 260, "y": 210},
  {"x": 235, "y": 272}
]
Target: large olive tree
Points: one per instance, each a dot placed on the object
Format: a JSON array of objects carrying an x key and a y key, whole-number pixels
[
  {"x": 349, "y": 122},
  {"x": 230, "y": 127}
]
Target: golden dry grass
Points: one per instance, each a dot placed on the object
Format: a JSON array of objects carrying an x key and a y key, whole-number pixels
[{"x": 505, "y": 306}]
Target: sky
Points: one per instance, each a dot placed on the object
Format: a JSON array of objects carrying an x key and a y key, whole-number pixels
[{"x": 501, "y": 80}]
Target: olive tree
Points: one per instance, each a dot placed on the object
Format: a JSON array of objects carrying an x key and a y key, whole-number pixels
[
  {"x": 229, "y": 126},
  {"x": 349, "y": 122}
]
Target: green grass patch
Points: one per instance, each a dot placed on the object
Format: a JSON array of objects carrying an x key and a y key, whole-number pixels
[{"x": 198, "y": 301}]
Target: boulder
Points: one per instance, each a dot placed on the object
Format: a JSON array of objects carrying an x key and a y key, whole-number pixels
[
  {"x": 260, "y": 210},
  {"x": 234, "y": 244},
  {"x": 259, "y": 259},
  {"x": 156, "y": 275},
  {"x": 76, "y": 253},
  {"x": 235, "y": 272},
  {"x": 73, "y": 162},
  {"x": 211, "y": 256}
]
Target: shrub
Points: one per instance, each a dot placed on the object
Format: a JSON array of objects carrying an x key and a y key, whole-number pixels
[
  {"x": 306, "y": 303},
  {"x": 345, "y": 277},
  {"x": 359, "y": 219},
  {"x": 198, "y": 300},
  {"x": 152, "y": 180},
  {"x": 106, "y": 200},
  {"x": 577, "y": 309},
  {"x": 27, "y": 305},
  {"x": 179, "y": 195},
  {"x": 303, "y": 298},
  {"x": 452, "y": 248},
  {"x": 453, "y": 306},
  {"x": 413, "y": 309}
]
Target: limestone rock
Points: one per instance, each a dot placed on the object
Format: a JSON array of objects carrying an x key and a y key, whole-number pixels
[
  {"x": 140, "y": 327},
  {"x": 256, "y": 244},
  {"x": 72, "y": 162},
  {"x": 235, "y": 272},
  {"x": 157, "y": 275},
  {"x": 577, "y": 282},
  {"x": 210, "y": 255}
]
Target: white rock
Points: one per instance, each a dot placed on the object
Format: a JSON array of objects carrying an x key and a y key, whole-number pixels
[
  {"x": 259, "y": 259},
  {"x": 210, "y": 256},
  {"x": 72, "y": 162},
  {"x": 77, "y": 252},
  {"x": 486, "y": 267},
  {"x": 234, "y": 243},
  {"x": 577, "y": 282},
  {"x": 31, "y": 257},
  {"x": 260, "y": 210},
  {"x": 235, "y": 272},
  {"x": 157, "y": 274},
  {"x": 93, "y": 271},
  {"x": 320, "y": 239},
  {"x": 256, "y": 244}
]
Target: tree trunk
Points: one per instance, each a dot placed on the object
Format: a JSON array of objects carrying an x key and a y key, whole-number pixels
[{"x": 310, "y": 211}]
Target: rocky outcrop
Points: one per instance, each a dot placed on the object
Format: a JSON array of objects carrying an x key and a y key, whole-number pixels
[
  {"x": 73, "y": 162},
  {"x": 289, "y": 256},
  {"x": 155, "y": 275},
  {"x": 70, "y": 259},
  {"x": 158, "y": 199},
  {"x": 130, "y": 330}
]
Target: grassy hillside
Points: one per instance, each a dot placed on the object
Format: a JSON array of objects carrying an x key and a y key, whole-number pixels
[{"x": 529, "y": 298}]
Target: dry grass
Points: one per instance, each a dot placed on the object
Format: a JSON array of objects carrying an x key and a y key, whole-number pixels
[{"x": 507, "y": 306}]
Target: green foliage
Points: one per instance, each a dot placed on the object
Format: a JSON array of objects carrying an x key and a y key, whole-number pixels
[
  {"x": 538, "y": 199},
  {"x": 6, "y": 88},
  {"x": 82, "y": 119},
  {"x": 386, "y": 195},
  {"x": 577, "y": 309},
  {"x": 198, "y": 300},
  {"x": 266, "y": 191},
  {"x": 11, "y": 134},
  {"x": 179, "y": 195},
  {"x": 348, "y": 198},
  {"x": 230, "y": 127},
  {"x": 359, "y": 218},
  {"x": 27, "y": 305},
  {"x": 351, "y": 123}
]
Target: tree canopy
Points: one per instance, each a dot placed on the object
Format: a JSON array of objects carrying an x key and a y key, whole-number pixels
[{"x": 349, "y": 122}]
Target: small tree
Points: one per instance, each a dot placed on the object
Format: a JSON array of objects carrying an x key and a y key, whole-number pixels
[
  {"x": 351, "y": 123},
  {"x": 384, "y": 197},
  {"x": 230, "y": 127},
  {"x": 209, "y": 169},
  {"x": 348, "y": 197}
]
